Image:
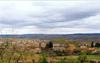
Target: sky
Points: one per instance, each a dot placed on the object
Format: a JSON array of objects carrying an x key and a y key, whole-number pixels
[{"x": 49, "y": 17}]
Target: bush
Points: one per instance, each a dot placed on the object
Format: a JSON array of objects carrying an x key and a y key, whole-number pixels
[
  {"x": 82, "y": 57},
  {"x": 43, "y": 58}
]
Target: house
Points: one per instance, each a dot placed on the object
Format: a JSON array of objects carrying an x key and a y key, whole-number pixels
[{"x": 59, "y": 46}]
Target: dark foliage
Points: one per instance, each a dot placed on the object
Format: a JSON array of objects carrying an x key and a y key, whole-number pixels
[
  {"x": 49, "y": 45},
  {"x": 97, "y": 44},
  {"x": 92, "y": 44}
]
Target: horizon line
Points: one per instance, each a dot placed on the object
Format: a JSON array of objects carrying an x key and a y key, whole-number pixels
[{"x": 49, "y": 33}]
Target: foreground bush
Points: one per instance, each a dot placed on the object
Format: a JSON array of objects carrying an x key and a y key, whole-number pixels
[{"x": 43, "y": 58}]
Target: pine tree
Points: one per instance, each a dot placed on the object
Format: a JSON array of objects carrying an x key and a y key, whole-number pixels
[{"x": 92, "y": 44}]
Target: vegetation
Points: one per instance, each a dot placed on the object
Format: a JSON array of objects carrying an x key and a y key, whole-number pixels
[
  {"x": 62, "y": 60},
  {"x": 43, "y": 58},
  {"x": 59, "y": 40},
  {"x": 82, "y": 57},
  {"x": 49, "y": 45}
]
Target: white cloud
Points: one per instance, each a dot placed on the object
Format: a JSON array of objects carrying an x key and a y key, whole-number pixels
[{"x": 49, "y": 17}]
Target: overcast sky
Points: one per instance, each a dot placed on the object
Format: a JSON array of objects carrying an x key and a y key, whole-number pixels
[{"x": 49, "y": 17}]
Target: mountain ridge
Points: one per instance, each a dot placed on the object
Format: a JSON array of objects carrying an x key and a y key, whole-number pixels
[{"x": 78, "y": 36}]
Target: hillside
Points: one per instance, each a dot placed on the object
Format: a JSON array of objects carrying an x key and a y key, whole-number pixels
[{"x": 81, "y": 37}]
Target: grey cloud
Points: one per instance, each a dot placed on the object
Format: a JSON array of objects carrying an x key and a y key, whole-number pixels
[
  {"x": 50, "y": 16},
  {"x": 50, "y": 23}
]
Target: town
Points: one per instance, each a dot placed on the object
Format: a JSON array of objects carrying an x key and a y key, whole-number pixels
[{"x": 15, "y": 50}]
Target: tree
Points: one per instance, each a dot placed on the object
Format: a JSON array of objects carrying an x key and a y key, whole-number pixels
[
  {"x": 92, "y": 44},
  {"x": 97, "y": 44},
  {"x": 70, "y": 49},
  {"x": 49, "y": 45}
]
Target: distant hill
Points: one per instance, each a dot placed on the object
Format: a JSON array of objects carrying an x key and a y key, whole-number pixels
[{"x": 81, "y": 37}]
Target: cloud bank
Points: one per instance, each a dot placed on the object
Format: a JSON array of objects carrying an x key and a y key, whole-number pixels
[{"x": 49, "y": 17}]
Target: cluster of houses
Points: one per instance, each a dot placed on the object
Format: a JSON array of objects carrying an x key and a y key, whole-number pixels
[
  {"x": 36, "y": 44},
  {"x": 39, "y": 45}
]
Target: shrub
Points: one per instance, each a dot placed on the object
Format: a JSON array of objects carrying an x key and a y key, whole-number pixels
[
  {"x": 82, "y": 57},
  {"x": 43, "y": 58}
]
